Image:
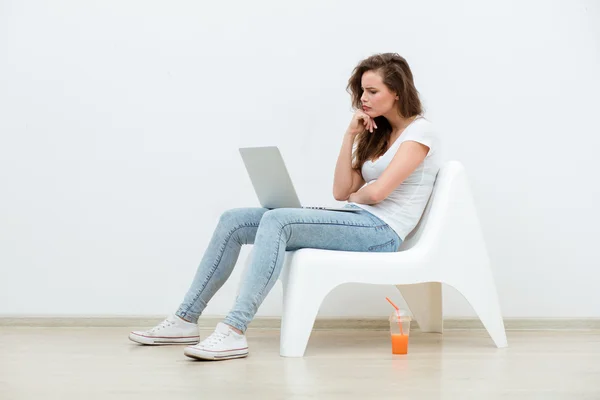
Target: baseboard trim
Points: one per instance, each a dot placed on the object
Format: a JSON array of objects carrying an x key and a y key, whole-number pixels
[{"x": 209, "y": 322}]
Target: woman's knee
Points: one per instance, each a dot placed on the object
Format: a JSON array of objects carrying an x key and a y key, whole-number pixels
[
  {"x": 278, "y": 215},
  {"x": 279, "y": 219},
  {"x": 241, "y": 216}
]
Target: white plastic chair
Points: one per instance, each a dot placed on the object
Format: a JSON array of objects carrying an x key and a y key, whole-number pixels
[{"x": 447, "y": 246}]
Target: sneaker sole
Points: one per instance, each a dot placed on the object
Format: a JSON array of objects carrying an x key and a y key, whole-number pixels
[
  {"x": 215, "y": 355},
  {"x": 149, "y": 340}
]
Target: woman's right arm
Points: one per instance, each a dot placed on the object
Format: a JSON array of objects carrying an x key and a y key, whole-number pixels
[{"x": 347, "y": 180}]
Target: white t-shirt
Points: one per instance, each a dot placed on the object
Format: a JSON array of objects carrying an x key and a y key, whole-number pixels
[{"x": 403, "y": 208}]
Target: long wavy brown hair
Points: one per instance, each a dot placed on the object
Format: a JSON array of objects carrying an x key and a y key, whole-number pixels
[{"x": 397, "y": 76}]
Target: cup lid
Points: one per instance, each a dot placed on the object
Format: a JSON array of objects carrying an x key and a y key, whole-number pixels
[{"x": 401, "y": 314}]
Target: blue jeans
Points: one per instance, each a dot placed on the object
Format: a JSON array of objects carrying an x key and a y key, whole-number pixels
[{"x": 273, "y": 232}]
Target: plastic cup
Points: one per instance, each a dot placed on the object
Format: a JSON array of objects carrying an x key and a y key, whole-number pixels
[{"x": 399, "y": 332}]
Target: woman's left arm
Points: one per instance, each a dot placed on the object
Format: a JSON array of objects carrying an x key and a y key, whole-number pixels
[{"x": 405, "y": 161}]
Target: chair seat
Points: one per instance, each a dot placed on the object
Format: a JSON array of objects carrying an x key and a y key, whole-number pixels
[{"x": 362, "y": 267}]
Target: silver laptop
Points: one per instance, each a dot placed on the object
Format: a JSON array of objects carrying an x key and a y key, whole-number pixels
[{"x": 271, "y": 180}]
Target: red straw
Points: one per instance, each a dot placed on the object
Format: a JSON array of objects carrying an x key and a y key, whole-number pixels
[{"x": 393, "y": 305}]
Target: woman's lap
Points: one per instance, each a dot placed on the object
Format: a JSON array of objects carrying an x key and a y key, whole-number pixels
[{"x": 321, "y": 229}]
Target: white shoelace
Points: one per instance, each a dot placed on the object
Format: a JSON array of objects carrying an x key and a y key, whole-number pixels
[
  {"x": 214, "y": 339},
  {"x": 165, "y": 324}
]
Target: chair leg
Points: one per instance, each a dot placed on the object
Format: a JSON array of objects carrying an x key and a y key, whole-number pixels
[
  {"x": 298, "y": 317},
  {"x": 481, "y": 294},
  {"x": 425, "y": 303}
]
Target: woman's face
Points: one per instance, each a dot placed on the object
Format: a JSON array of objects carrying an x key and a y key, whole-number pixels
[{"x": 376, "y": 98}]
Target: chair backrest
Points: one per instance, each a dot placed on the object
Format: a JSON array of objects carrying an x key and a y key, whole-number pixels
[{"x": 437, "y": 204}]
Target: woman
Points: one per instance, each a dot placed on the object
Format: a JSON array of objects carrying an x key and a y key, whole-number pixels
[{"x": 388, "y": 145}]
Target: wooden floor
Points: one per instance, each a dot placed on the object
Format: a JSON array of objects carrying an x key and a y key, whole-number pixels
[{"x": 101, "y": 363}]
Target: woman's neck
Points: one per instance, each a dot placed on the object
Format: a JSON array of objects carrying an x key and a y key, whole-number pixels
[{"x": 398, "y": 123}]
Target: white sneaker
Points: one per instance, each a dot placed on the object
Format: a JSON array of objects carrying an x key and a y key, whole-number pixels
[
  {"x": 222, "y": 344},
  {"x": 172, "y": 330}
]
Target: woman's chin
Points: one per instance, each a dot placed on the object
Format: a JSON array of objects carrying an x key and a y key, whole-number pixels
[{"x": 372, "y": 113}]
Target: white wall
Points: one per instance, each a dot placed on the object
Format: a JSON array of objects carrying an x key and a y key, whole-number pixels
[{"x": 120, "y": 123}]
